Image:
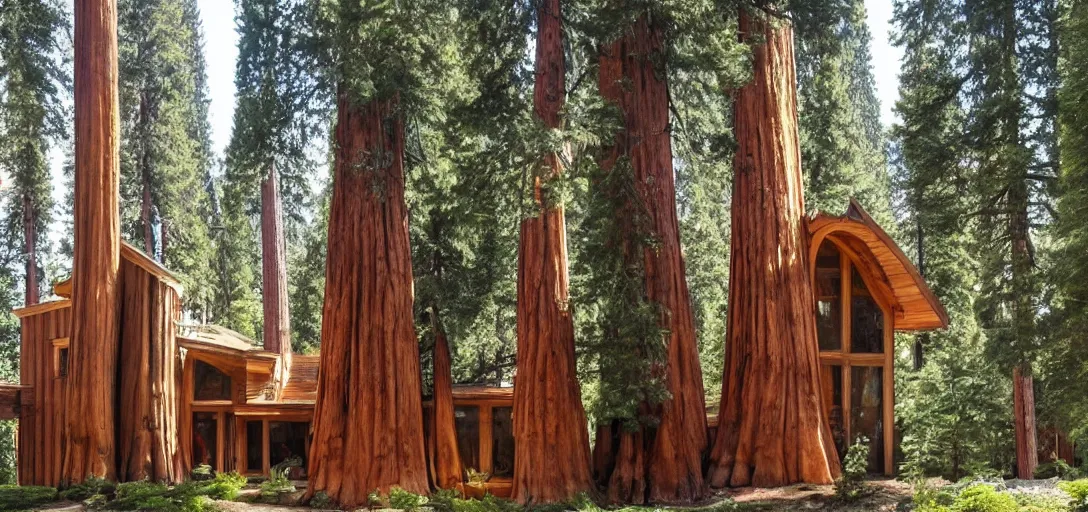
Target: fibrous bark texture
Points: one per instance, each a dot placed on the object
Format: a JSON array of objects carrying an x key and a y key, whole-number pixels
[
  {"x": 30, "y": 239},
  {"x": 446, "y": 457},
  {"x": 90, "y": 393},
  {"x": 670, "y": 470},
  {"x": 150, "y": 378},
  {"x": 1023, "y": 402},
  {"x": 368, "y": 425},
  {"x": 772, "y": 429},
  {"x": 277, "y": 318},
  {"x": 551, "y": 453}
]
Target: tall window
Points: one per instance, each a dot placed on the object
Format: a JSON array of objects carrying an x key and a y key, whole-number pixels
[{"x": 854, "y": 339}]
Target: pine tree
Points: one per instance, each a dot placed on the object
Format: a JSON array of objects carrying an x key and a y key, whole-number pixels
[
  {"x": 164, "y": 163},
  {"x": 842, "y": 142},
  {"x": 1066, "y": 368},
  {"x": 32, "y": 120}
]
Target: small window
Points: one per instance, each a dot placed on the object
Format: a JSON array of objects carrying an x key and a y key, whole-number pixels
[
  {"x": 254, "y": 442},
  {"x": 467, "y": 422},
  {"x": 502, "y": 442},
  {"x": 62, "y": 362},
  {"x": 205, "y": 438},
  {"x": 210, "y": 383}
]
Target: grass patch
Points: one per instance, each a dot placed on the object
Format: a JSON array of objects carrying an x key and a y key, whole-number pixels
[{"x": 14, "y": 497}]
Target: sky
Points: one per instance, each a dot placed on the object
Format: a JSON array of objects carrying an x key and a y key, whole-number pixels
[{"x": 221, "y": 50}]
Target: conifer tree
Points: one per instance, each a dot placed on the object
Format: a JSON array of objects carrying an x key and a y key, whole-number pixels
[
  {"x": 164, "y": 163},
  {"x": 1066, "y": 365},
  {"x": 842, "y": 143},
  {"x": 32, "y": 120},
  {"x": 266, "y": 158},
  {"x": 382, "y": 58}
]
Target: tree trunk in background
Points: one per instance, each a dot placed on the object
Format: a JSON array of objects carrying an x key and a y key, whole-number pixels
[
  {"x": 671, "y": 469},
  {"x": 30, "y": 231},
  {"x": 551, "y": 455},
  {"x": 368, "y": 425},
  {"x": 88, "y": 439},
  {"x": 148, "y": 420},
  {"x": 145, "y": 183},
  {"x": 1023, "y": 403},
  {"x": 446, "y": 457},
  {"x": 772, "y": 428},
  {"x": 277, "y": 317}
]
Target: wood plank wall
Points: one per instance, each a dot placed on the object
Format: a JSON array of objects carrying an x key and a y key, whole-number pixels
[
  {"x": 40, "y": 427},
  {"x": 150, "y": 380}
]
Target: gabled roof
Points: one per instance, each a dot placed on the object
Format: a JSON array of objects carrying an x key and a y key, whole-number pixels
[
  {"x": 218, "y": 339},
  {"x": 135, "y": 256},
  {"x": 914, "y": 304}
]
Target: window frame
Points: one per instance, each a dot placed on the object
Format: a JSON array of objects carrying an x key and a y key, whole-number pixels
[
  {"x": 846, "y": 359},
  {"x": 60, "y": 345}
]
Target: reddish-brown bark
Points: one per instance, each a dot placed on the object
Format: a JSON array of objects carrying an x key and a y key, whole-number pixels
[
  {"x": 670, "y": 470},
  {"x": 147, "y": 429},
  {"x": 277, "y": 318},
  {"x": 446, "y": 458},
  {"x": 30, "y": 240},
  {"x": 368, "y": 425},
  {"x": 551, "y": 458},
  {"x": 90, "y": 395},
  {"x": 1023, "y": 403},
  {"x": 772, "y": 428}
]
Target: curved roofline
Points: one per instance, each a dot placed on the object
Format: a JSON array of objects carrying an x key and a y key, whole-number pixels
[{"x": 855, "y": 216}]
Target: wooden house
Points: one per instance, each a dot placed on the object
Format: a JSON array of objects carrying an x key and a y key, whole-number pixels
[{"x": 242, "y": 408}]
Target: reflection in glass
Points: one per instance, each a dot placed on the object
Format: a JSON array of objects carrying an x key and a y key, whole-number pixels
[
  {"x": 502, "y": 442},
  {"x": 867, "y": 411},
  {"x": 867, "y": 320},
  {"x": 828, "y": 293},
  {"x": 831, "y": 379},
  {"x": 467, "y": 422},
  {"x": 210, "y": 383},
  {"x": 288, "y": 440},
  {"x": 205, "y": 430}
]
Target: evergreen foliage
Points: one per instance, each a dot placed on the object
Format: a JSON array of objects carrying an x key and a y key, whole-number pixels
[{"x": 165, "y": 164}]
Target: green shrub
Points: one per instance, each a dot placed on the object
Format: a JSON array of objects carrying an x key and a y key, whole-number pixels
[
  {"x": 401, "y": 499},
  {"x": 932, "y": 499},
  {"x": 851, "y": 485},
  {"x": 1036, "y": 503},
  {"x": 321, "y": 500},
  {"x": 1059, "y": 468},
  {"x": 15, "y": 497},
  {"x": 225, "y": 486},
  {"x": 1078, "y": 492},
  {"x": 90, "y": 487},
  {"x": 984, "y": 498}
]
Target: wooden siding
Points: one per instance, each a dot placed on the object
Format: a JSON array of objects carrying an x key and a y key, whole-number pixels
[{"x": 40, "y": 424}]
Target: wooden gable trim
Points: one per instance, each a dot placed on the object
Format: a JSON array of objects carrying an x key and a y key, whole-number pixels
[
  {"x": 138, "y": 258},
  {"x": 43, "y": 307}
]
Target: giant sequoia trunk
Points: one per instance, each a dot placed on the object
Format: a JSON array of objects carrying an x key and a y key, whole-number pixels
[
  {"x": 551, "y": 455},
  {"x": 88, "y": 438},
  {"x": 277, "y": 318},
  {"x": 772, "y": 428},
  {"x": 662, "y": 464},
  {"x": 1023, "y": 402},
  {"x": 30, "y": 240},
  {"x": 446, "y": 459},
  {"x": 148, "y": 420},
  {"x": 368, "y": 426}
]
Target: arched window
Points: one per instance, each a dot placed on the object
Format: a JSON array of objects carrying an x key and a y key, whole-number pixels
[
  {"x": 209, "y": 383},
  {"x": 854, "y": 339}
]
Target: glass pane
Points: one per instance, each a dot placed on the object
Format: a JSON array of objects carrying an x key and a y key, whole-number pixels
[
  {"x": 287, "y": 445},
  {"x": 467, "y": 422},
  {"x": 63, "y": 362},
  {"x": 867, "y": 320},
  {"x": 828, "y": 293},
  {"x": 831, "y": 378},
  {"x": 867, "y": 411},
  {"x": 254, "y": 442},
  {"x": 502, "y": 441},
  {"x": 205, "y": 430},
  {"x": 210, "y": 383}
]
